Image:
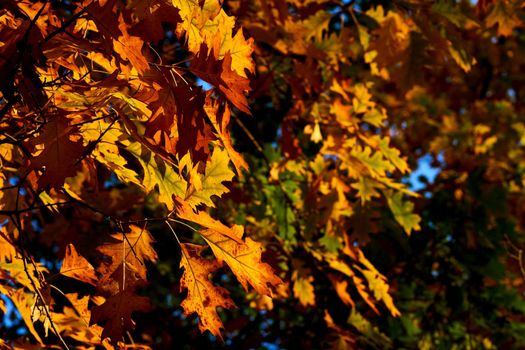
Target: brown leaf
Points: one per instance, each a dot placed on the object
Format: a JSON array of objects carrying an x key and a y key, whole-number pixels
[
  {"x": 61, "y": 150},
  {"x": 116, "y": 312}
]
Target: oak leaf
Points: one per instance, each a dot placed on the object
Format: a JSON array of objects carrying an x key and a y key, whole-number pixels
[
  {"x": 220, "y": 121},
  {"x": 60, "y": 151},
  {"x": 209, "y": 184},
  {"x": 128, "y": 253},
  {"x": 77, "y": 267},
  {"x": 219, "y": 73},
  {"x": 158, "y": 174},
  {"x": 403, "y": 212},
  {"x": 203, "y": 296},
  {"x": 393, "y": 39},
  {"x": 116, "y": 312},
  {"x": 202, "y": 218},
  {"x": 244, "y": 259},
  {"x": 505, "y": 16},
  {"x": 303, "y": 289}
]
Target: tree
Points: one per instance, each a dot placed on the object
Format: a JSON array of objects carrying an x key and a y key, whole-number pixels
[{"x": 188, "y": 173}]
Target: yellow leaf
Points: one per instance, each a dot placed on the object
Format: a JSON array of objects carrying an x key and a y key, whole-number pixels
[
  {"x": 209, "y": 24},
  {"x": 241, "y": 51},
  {"x": 106, "y": 150},
  {"x": 22, "y": 302},
  {"x": 376, "y": 165},
  {"x": 362, "y": 99},
  {"x": 378, "y": 286},
  {"x": 133, "y": 105},
  {"x": 303, "y": 289},
  {"x": 316, "y": 134},
  {"x": 158, "y": 173},
  {"x": 366, "y": 189},
  {"x": 7, "y": 250},
  {"x": 74, "y": 321}
]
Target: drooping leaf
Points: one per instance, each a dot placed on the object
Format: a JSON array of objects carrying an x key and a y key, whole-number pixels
[
  {"x": 158, "y": 174},
  {"x": 203, "y": 296},
  {"x": 403, "y": 212},
  {"x": 77, "y": 267},
  {"x": 59, "y": 153},
  {"x": 127, "y": 254},
  {"x": 244, "y": 259},
  {"x": 116, "y": 313},
  {"x": 204, "y": 186}
]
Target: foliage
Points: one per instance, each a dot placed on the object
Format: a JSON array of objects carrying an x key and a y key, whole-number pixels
[{"x": 241, "y": 169}]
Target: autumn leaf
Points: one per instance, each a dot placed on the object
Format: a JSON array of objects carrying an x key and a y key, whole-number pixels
[
  {"x": 58, "y": 155},
  {"x": 116, "y": 312},
  {"x": 203, "y": 296},
  {"x": 202, "y": 218},
  {"x": 7, "y": 250},
  {"x": 504, "y": 16},
  {"x": 116, "y": 123},
  {"x": 74, "y": 320},
  {"x": 158, "y": 174},
  {"x": 77, "y": 267},
  {"x": 220, "y": 122},
  {"x": 106, "y": 137},
  {"x": 393, "y": 39},
  {"x": 366, "y": 189},
  {"x": 403, "y": 212},
  {"x": 204, "y": 186},
  {"x": 22, "y": 302},
  {"x": 303, "y": 290},
  {"x": 244, "y": 259},
  {"x": 208, "y": 23},
  {"x": 219, "y": 73},
  {"x": 128, "y": 253},
  {"x": 341, "y": 288}
]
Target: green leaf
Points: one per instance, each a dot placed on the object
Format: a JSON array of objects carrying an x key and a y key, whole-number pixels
[{"x": 403, "y": 212}]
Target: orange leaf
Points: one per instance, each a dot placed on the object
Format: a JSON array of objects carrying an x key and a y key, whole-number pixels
[
  {"x": 244, "y": 259},
  {"x": 220, "y": 122},
  {"x": 130, "y": 250},
  {"x": 184, "y": 211},
  {"x": 203, "y": 296},
  {"x": 220, "y": 74},
  {"x": 77, "y": 267}
]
